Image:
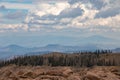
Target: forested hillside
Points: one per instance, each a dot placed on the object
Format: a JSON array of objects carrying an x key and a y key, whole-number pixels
[{"x": 78, "y": 59}]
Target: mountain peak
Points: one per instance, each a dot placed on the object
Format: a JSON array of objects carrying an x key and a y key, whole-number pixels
[
  {"x": 53, "y": 45},
  {"x": 98, "y": 37},
  {"x": 13, "y": 46}
]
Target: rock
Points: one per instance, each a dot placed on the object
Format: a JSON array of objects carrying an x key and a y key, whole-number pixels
[
  {"x": 20, "y": 73},
  {"x": 91, "y": 77},
  {"x": 7, "y": 73},
  {"x": 52, "y": 77},
  {"x": 114, "y": 70},
  {"x": 54, "y": 73},
  {"x": 30, "y": 74},
  {"x": 74, "y": 77},
  {"x": 67, "y": 72},
  {"x": 117, "y": 73},
  {"x": 59, "y": 73},
  {"x": 14, "y": 78}
]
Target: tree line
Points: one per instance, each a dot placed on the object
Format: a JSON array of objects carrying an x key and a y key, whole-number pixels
[{"x": 77, "y": 59}]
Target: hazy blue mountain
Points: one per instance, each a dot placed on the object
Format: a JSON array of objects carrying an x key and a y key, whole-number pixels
[
  {"x": 101, "y": 41},
  {"x": 12, "y": 50},
  {"x": 86, "y": 44},
  {"x": 116, "y": 50},
  {"x": 15, "y": 50},
  {"x": 97, "y": 39}
]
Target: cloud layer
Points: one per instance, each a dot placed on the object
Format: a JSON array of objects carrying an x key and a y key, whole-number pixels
[{"x": 90, "y": 15}]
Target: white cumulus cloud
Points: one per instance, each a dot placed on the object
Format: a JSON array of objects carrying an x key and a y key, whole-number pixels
[{"x": 79, "y": 14}]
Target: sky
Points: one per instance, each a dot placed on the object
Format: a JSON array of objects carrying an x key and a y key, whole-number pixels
[{"x": 41, "y": 22}]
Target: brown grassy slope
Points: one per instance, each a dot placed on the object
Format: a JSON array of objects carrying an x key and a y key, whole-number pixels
[{"x": 59, "y": 73}]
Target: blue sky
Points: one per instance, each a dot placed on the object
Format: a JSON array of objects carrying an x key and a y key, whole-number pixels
[{"x": 42, "y": 22}]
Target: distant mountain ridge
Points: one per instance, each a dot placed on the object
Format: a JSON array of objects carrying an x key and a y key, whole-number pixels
[
  {"x": 13, "y": 50},
  {"x": 16, "y": 50},
  {"x": 90, "y": 43},
  {"x": 116, "y": 50},
  {"x": 97, "y": 39}
]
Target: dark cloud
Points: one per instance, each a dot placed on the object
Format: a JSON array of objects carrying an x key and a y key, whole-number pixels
[
  {"x": 2, "y": 7},
  {"x": 17, "y": 1},
  {"x": 67, "y": 13},
  {"x": 16, "y": 15},
  {"x": 108, "y": 13},
  {"x": 35, "y": 22},
  {"x": 98, "y": 4},
  {"x": 71, "y": 13},
  {"x": 74, "y": 1}
]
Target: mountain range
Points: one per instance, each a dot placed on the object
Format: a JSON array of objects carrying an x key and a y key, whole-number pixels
[
  {"x": 87, "y": 44},
  {"x": 16, "y": 50}
]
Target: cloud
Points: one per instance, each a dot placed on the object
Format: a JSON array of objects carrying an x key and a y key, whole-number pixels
[
  {"x": 88, "y": 15},
  {"x": 53, "y": 9},
  {"x": 19, "y": 15},
  {"x": 98, "y": 4},
  {"x": 110, "y": 22},
  {"x": 19, "y": 1},
  {"x": 42, "y": 22},
  {"x": 2, "y": 7},
  {"x": 46, "y": 12},
  {"x": 8, "y": 16},
  {"x": 111, "y": 9},
  {"x": 108, "y": 13},
  {"x": 77, "y": 14},
  {"x": 13, "y": 27},
  {"x": 1, "y": 15},
  {"x": 68, "y": 13},
  {"x": 17, "y": 5}
]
